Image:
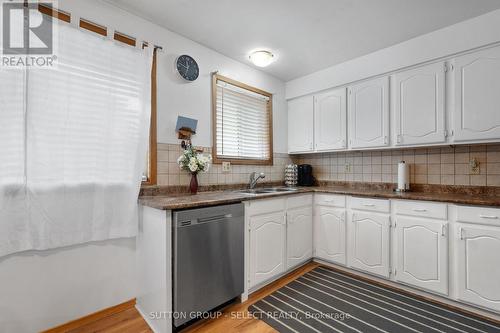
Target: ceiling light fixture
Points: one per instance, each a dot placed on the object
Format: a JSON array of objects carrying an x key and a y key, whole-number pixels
[{"x": 261, "y": 58}]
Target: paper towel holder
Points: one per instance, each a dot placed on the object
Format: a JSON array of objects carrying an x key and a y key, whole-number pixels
[{"x": 403, "y": 186}]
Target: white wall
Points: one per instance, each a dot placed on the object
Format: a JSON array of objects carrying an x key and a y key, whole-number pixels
[
  {"x": 39, "y": 290},
  {"x": 176, "y": 96},
  {"x": 470, "y": 34},
  {"x": 42, "y": 289}
]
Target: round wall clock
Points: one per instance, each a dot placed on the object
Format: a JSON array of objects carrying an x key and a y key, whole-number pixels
[{"x": 187, "y": 67}]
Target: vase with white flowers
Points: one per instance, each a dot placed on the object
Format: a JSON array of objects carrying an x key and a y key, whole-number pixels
[{"x": 194, "y": 162}]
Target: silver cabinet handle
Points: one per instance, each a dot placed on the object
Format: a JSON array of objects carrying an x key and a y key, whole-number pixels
[
  {"x": 368, "y": 205},
  {"x": 443, "y": 230},
  {"x": 491, "y": 217},
  {"x": 419, "y": 210},
  {"x": 461, "y": 233}
]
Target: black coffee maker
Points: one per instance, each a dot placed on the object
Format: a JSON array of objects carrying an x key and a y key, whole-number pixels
[{"x": 305, "y": 175}]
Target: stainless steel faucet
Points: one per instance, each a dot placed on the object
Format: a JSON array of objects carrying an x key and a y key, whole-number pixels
[{"x": 254, "y": 178}]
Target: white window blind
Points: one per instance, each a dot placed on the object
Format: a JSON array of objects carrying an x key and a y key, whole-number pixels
[{"x": 243, "y": 129}]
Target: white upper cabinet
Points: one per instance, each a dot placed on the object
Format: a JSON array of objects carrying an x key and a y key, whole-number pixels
[
  {"x": 422, "y": 253},
  {"x": 330, "y": 120},
  {"x": 477, "y": 96},
  {"x": 369, "y": 114},
  {"x": 419, "y": 105},
  {"x": 300, "y": 125},
  {"x": 299, "y": 235}
]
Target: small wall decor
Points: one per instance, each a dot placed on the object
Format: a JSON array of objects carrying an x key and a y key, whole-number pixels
[{"x": 185, "y": 128}]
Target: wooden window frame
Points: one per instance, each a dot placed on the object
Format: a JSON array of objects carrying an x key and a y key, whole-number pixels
[
  {"x": 126, "y": 39},
  {"x": 152, "y": 152},
  {"x": 94, "y": 27},
  {"x": 55, "y": 13},
  {"x": 218, "y": 160}
]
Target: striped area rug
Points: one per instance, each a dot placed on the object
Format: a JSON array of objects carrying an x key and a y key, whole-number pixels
[{"x": 325, "y": 300}]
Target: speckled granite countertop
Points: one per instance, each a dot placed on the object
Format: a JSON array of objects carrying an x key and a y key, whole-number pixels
[{"x": 479, "y": 196}]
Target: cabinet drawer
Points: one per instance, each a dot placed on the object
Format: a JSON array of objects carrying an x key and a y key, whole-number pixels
[
  {"x": 422, "y": 209},
  {"x": 482, "y": 215},
  {"x": 331, "y": 200},
  {"x": 264, "y": 206},
  {"x": 375, "y": 205},
  {"x": 300, "y": 201}
]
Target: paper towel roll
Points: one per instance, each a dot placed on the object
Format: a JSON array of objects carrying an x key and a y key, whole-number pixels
[{"x": 403, "y": 176}]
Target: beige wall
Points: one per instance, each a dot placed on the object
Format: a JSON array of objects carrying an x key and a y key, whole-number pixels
[
  {"x": 170, "y": 174},
  {"x": 447, "y": 166}
]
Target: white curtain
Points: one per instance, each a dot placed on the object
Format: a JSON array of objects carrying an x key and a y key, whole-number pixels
[{"x": 72, "y": 144}]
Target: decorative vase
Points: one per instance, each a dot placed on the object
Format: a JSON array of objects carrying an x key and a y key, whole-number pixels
[{"x": 193, "y": 186}]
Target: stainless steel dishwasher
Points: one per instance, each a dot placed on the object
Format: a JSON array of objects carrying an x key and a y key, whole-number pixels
[{"x": 208, "y": 259}]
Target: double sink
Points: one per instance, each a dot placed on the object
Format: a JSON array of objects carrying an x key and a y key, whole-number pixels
[{"x": 268, "y": 190}]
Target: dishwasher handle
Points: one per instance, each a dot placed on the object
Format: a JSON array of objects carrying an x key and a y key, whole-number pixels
[{"x": 214, "y": 218}]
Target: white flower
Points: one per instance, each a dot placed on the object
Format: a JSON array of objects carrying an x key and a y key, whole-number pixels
[{"x": 193, "y": 165}]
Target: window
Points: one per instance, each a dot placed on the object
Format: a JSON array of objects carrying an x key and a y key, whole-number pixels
[
  {"x": 242, "y": 123},
  {"x": 149, "y": 174},
  {"x": 72, "y": 139}
]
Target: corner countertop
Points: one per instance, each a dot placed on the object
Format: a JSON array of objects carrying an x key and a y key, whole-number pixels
[{"x": 214, "y": 198}]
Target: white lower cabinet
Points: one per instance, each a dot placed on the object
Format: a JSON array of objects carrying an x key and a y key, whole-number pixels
[
  {"x": 368, "y": 239},
  {"x": 298, "y": 235},
  {"x": 330, "y": 234},
  {"x": 477, "y": 250},
  {"x": 422, "y": 253},
  {"x": 267, "y": 247},
  {"x": 280, "y": 236},
  {"x": 356, "y": 232}
]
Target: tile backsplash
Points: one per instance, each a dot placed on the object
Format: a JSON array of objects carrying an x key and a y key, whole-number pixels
[
  {"x": 435, "y": 165},
  {"x": 170, "y": 174}
]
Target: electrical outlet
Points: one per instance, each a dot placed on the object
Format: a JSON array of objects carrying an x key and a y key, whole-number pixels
[
  {"x": 226, "y": 167},
  {"x": 474, "y": 166},
  {"x": 347, "y": 167}
]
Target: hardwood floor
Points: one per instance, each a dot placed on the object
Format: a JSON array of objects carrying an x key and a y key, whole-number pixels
[
  {"x": 235, "y": 317},
  {"x": 228, "y": 323}
]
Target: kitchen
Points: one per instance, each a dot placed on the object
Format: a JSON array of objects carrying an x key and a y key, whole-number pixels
[{"x": 297, "y": 215}]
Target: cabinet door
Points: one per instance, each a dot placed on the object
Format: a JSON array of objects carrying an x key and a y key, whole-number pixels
[
  {"x": 369, "y": 114},
  {"x": 477, "y": 101},
  {"x": 330, "y": 120},
  {"x": 419, "y": 105},
  {"x": 478, "y": 249},
  {"x": 369, "y": 243},
  {"x": 422, "y": 253},
  {"x": 267, "y": 247},
  {"x": 329, "y": 234},
  {"x": 299, "y": 235},
  {"x": 300, "y": 124}
]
